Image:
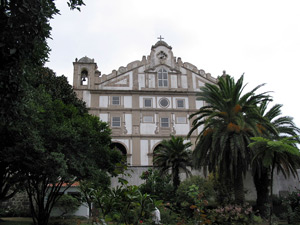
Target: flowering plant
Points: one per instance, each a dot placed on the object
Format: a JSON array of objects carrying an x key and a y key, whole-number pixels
[{"x": 232, "y": 214}]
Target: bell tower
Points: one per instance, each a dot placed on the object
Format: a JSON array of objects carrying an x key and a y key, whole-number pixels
[{"x": 85, "y": 71}]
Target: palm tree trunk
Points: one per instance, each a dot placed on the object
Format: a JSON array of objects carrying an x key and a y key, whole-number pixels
[
  {"x": 239, "y": 194},
  {"x": 176, "y": 179},
  {"x": 271, "y": 190},
  {"x": 262, "y": 184}
]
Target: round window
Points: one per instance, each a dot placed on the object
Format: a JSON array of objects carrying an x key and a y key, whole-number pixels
[{"x": 164, "y": 102}]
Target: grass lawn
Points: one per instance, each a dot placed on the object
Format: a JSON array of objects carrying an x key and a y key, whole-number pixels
[
  {"x": 28, "y": 221},
  {"x": 15, "y": 221}
]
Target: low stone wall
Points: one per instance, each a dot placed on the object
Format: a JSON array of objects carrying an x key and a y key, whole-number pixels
[
  {"x": 16, "y": 206},
  {"x": 280, "y": 184}
]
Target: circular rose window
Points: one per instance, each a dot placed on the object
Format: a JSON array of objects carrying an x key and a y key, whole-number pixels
[{"x": 164, "y": 102}]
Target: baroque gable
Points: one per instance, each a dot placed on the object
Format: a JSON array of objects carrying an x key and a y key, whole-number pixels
[{"x": 144, "y": 74}]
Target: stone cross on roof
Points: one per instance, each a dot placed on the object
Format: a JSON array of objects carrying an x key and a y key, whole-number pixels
[{"x": 160, "y": 37}]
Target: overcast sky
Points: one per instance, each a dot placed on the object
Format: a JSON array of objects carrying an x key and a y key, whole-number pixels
[{"x": 260, "y": 38}]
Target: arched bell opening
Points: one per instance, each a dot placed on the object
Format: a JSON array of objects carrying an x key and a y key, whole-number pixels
[{"x": 84, "y": 79}]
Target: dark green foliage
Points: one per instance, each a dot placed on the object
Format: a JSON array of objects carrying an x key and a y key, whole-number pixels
[
  {"x": 173, "y": 155},
  {"x": 25, "y": 28},
  {"x": 285, "y": 127},
  {"x": 123, "y": 204},
  {"x": 71, "y": 145},
  {"x": 47, "y": 137},
  {"x": 229, "y": 119},
  {"x": 281, "y": 154},
  {"x": 223, "y": 190},
  {"x": 67, "y": 204},
  {"x": 193, "y": 196},
  {"x": 204, "y": 185},
  {"x": 291, "y": 205},
  {"x": 157, "y": 186}
]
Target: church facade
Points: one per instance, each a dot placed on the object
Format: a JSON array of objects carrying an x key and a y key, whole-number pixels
[{"x": 144, "y": 102}]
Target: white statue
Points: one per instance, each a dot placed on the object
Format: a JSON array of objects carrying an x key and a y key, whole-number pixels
[{"x": 156, "y": 216}]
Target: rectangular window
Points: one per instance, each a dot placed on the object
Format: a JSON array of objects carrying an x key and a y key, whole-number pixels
[
  {"x": 148, "y": 119},
  {"x": 180, "y": 103},
  {"x": 162, "y": 78},
  {"x": 116, "y": 121},
  {"x": 181, "y": 119},
  {"x": 164, "y": 122},
  {"x": 147, "y": 102},
  {"x": 115, "y": 100}
]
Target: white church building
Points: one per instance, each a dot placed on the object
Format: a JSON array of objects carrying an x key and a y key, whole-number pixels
[{"x": 144, "y": 102}]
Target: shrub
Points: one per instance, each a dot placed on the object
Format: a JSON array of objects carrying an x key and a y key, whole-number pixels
[
  {"x": 157, "y": 186},
  {"x": 67, "y": 204},
  {"x": 232, "y": 215},
  {"x": 223, "y": 189},
  {"x": 204, "y": 186},
  {"x": 292, "y": 205}
]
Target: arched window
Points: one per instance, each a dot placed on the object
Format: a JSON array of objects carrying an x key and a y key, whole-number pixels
[
  {"x": 84, "y": 77},
  {"x": 162, "y": 75},
  {"x": 154, "y": 151},
  {"x": 118, "y": 147}
]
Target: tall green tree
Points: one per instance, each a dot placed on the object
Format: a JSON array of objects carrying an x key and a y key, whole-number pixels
[
  {"x": 173, "y": 154},
  {"x": 285, "y": 127},
  {"x": 68, "y": 145},
  {"x": 280, "y": 154},
  {"x": 228, "y": 119},
  {"x": 25, "y": 28}
]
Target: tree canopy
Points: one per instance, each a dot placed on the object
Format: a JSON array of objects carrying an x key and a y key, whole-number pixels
[
  {"x": 25, "y": 28},
  {"x": 229, "y": 118},
  {"x": 173, "y": 154},
  {"x": 67, "y": 144}
]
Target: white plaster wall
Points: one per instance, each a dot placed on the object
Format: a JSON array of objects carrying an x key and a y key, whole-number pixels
[
  {"x": 199, "y": 104},
  {"x": 169, "y": 106},
  {"x": 144, "y": 152},
  {"x": 103, "y": 117},
  {"x": 141, "y": 81},
  {"x": 181, "y": 129},
  {"x": 194, "y": 81},
  {"x": 103, "y": 101},
  {"x": 128, "y": 123},
  {"x": 141, "y": 69},
  {"x": 174, "y": 81},
  {"x": 153, "y": 143},
  {"x": 184, "y": 83},
  {"x": 182, "y": 70},
  {"x": 147, "y": 128},
  {"x": 200, "y": 83},
  {"x": 102, "y": 86},
  {"x": 127, "y": 101},
  {"x": 199, "y": 129},
  {"x": 87, "y": 98},
  {"x": 83, "y": 210},
  {"x": 151, "y": 82},
  {"x": 195, "y": 84}
]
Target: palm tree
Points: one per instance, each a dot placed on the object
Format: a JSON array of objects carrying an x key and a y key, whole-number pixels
[
  {"x": 285, "y": 127},
  {"x": 228, "y": 120},
  {"x": 281, "y": 154},
  {"x": 173, "y": 154}
]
